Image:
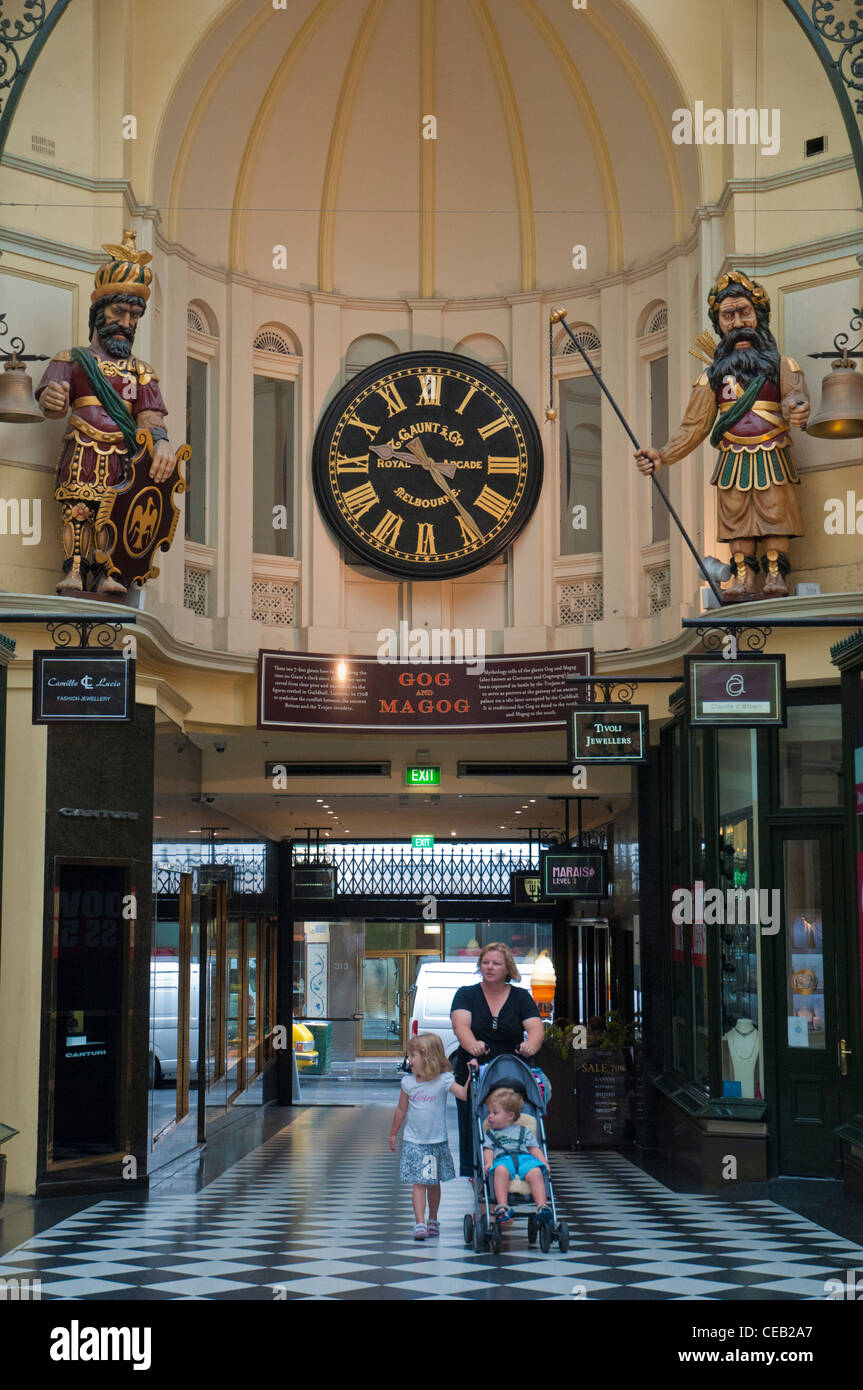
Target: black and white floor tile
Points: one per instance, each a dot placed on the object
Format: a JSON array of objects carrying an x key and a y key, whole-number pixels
[{"x": 318, "y": 1212}]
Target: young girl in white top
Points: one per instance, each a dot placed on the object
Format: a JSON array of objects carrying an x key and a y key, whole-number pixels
[{"x": 426, "y": 1161}]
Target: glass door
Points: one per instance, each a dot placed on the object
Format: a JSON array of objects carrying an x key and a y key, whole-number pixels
[
  {"x": 383, "y": 992},
  {"x": 808, "y": 1004}
]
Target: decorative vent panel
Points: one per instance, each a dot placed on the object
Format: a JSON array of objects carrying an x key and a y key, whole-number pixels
[
  {"x": 658, "y": 321},
  {"x": 195, "y": 590},
  {"x": 195, "y": 321},
  {"x": 580, "y": 602},
  {"x": 271, "y": 340},
  {"x": 42, "y": 144},
  {"x": 589, "y": 339},
  {"x": 659, "y": 589},
  {"x": 274, "y": 602}
]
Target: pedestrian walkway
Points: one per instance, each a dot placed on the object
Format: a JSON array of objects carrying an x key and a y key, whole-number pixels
[{"x": 317, "y": 1212}]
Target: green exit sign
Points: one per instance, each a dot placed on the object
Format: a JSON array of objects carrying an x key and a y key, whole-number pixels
[
  {"x": 422, "y": 841},
  {"x": 422, "y": 776}
]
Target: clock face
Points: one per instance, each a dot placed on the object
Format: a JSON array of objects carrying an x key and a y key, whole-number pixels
[{"x": 427, "y": 464}]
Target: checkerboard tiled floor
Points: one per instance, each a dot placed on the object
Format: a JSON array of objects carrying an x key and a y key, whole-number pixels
[{"x": 318, "y": 1212}]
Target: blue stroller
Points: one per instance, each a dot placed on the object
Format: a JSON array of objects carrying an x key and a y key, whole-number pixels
[{"x": 480, "y": 1230}]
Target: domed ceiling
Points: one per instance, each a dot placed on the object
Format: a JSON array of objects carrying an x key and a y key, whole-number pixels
[{"x": 304, "y": 128}]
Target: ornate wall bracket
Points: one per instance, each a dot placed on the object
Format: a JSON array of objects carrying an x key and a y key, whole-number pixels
[
  {"x": 24, "y": 30},
  {"x": 835, "y": 30}
]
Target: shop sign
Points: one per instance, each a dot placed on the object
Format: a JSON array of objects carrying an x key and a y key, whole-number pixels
[
  {"x": 609, "y": 734},
  {"x": 422, "y": 776},
  {"x": 748, "y": 693},
  {"x": 574, "y": 873},
  {"x": 75, "y": 686},
  {"x": 300, "y": 691},
  {"x": 525, "y": 887},
  {"x": 422, "y": 841},
  {"x": 313, "y": 881}
]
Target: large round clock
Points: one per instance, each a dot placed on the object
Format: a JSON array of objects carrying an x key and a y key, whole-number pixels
[{"x": 427, "y": 464}]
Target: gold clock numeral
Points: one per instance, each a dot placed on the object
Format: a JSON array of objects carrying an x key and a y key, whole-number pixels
[
  {"x": 425, "y": 538},
  {"x": 492, "y": 502},
  {"x": 430, "y": 390},
  {"x": 388, "y": 528},
  {"x": 460, "y": 408},
  {"x": 360, "y": 499},
  {"x": 467, "y": 537},
  {"x": 359, "y": 464},
  {"x": 392, "y": 400},
  {"x": 371, "y": 430},
  {"x": 499, "y": 464},
  {"x": 501, "y": 423}
]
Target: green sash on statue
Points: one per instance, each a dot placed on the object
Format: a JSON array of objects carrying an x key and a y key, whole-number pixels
[
  {"x": 108, "y": 398},
  {"x": 728, "y": 419}
]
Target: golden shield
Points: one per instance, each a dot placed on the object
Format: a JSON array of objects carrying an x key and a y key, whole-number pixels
[{"x": 139, "y": 518}]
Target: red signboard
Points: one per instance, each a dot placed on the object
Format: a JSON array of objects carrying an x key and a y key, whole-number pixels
[{"x": 298, "y": 690}]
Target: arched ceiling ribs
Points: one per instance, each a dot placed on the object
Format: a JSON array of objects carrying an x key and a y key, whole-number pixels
[
  {"x": 338, "y": 140},
  {"x": 515, "y": 134},
  {"x": 660, "y": 124},
  {"x": 260, "y": 127},
  {"x": 594, "y": 129}
]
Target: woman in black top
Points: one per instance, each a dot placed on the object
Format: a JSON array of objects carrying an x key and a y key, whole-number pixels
[{"x": 488, "y": 1019}]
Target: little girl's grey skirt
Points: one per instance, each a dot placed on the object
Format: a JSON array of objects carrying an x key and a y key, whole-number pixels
[{"x": 426, "y": 1164}]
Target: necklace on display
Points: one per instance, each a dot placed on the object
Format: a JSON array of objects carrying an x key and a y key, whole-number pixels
[{"x": 750, "y": 1032}]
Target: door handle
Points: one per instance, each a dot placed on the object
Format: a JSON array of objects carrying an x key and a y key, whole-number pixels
[{"x": 844, "y": 1054}]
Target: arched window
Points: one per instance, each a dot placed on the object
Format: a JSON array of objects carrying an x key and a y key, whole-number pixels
[
  {"x": 484, "y": 347},
  {"x": 201, "y": 349},
  {"x": 277, "y": 364},
  {"x": 365, "y": 351},
  {"x": 580, "y": 402}
]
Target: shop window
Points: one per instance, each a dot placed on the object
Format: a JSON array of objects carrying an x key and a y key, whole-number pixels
[
  {"x": 525, "y": 939},
  {"x": 196, "y": 435},
  {"x": 699, "y": 939},
  {"x": 804, "y": 942},
  {"x": 810, "y": 756},
  {"x": 738, "y": 930},
  {"x": 273, "y": 467},
  {"x": 580, "y": 466},
  {"x": 658, "y": 437}
]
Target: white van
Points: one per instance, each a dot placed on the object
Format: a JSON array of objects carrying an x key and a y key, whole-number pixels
[
  {"x": 164, "y": 981},
  {"x": 435, "y": 990}
]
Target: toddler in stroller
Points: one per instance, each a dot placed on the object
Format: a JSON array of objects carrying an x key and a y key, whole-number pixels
[{"x": 509, "y": 1157}]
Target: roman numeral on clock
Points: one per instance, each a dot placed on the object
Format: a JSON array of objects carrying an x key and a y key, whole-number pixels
[
  {"x": 430, "y": 390},
  {"x": 360, "y": 499},
  {"x": 425, "y": 538},
  {"x": 468, "y": 537},
  {"x": 459, "y": 410},
  {"x": 501, "y": 423},
  {"x": 498, "y": 464},
  {"x": 388, "y": 528},
  {"x": 492, "y": 502},
  {"x": 359, "y": 464},
  {"x": 371, "y": 430},
  {"x": 392, "y": 400}
]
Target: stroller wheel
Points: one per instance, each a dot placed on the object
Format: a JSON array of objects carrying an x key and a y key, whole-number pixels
[
  {"x": 494, "y": 1239},
  {"x": 563, "y": 1237},
  {"x": 468, "y": 1229},
  {"x": 478, "y": 1239},
  {"x": 531, "y": 1230},
  {"x": 544, "y": 1237}
]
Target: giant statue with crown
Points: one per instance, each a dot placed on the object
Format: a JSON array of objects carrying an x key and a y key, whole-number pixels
[
  {"x": 746, "y": 401},
  {"x": 118, "y": 477}
]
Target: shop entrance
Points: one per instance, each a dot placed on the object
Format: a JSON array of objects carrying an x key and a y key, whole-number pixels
[
  {"x": 387, "y": 985},
  {"x": 809, "y": 980}
]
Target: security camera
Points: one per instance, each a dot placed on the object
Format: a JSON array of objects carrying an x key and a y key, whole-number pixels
[{"x": 220, "y": 747}]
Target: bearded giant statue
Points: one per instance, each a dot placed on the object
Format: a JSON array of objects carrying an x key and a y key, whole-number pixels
[{"x": 746, "y": 401}]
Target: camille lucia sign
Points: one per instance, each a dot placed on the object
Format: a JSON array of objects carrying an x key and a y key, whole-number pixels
[
  {"x": 296, "y": 690},
  {"x": 748, "y": 693},
  {"x": 75, "y": 685}
]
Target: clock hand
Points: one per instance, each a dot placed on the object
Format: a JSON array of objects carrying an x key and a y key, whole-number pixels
[
  {"x": 417, "y": 448},
  {"x": 386, "y": 451}
]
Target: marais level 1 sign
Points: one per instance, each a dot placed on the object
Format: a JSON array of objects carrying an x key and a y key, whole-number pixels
[
  {"x": 75, "y": 687},
  {"x": 577, "y": 873},
  {"x": 609, "y": 734},
  {"x": 748, "y": 693}
]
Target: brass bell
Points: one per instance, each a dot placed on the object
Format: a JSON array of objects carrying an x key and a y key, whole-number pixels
[
  {"x": 17, "y": 403},
  {"x": 841, "y": 413}
]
